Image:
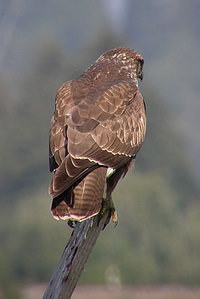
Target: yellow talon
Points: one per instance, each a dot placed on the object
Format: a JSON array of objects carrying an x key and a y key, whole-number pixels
[
  {"x": 108, "y": 205},
  {"x": 114, "y": 217}
]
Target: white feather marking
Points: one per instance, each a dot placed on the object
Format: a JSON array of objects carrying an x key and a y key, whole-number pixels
[{"x": 109, "y": 171}]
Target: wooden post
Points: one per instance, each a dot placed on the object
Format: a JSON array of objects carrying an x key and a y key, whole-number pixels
[{"x": 74, "y": 258}]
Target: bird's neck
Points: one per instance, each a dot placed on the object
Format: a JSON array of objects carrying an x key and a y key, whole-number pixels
[{"x": 107, "y": 72}]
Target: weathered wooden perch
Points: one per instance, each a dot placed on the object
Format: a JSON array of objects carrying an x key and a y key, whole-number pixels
[{"x": 74, "y": 258}]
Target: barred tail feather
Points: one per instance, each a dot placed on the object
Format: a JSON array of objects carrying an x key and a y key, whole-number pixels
[{"x": 87, "y": 198}]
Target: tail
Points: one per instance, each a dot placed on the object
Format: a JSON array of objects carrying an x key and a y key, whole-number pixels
[{"x": 85, "y": 198}]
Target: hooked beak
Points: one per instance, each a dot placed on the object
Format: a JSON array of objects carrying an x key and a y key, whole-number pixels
[{"x": 140, "y": 76}]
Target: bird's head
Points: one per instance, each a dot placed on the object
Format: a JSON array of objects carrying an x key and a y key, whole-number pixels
[{"x": 126, "y": 60}]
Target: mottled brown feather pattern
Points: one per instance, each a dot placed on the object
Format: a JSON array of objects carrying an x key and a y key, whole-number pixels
[{"x": 99, "y": 122}]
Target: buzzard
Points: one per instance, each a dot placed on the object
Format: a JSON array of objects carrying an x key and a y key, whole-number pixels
[{"x": 96, "y": 130}]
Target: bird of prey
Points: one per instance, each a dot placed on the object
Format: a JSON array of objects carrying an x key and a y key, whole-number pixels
[{"x": 97, "y": 129}]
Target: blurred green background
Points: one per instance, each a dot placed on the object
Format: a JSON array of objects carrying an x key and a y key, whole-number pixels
[{"x": 43, "y": 44}]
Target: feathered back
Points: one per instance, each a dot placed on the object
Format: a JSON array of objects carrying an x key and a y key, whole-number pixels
[{"x": 99, "y": 123}]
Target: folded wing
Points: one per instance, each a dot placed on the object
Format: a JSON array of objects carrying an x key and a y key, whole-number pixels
[{"x": 92, "y": 129}]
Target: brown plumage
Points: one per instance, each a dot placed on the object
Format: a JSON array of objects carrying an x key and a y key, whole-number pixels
[{"x": 99, "y": 123}]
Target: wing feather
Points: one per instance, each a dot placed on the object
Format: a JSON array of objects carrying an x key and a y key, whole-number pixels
[
  {"x": 91, "y": 128},
  {"x": 114, "y": 122}
]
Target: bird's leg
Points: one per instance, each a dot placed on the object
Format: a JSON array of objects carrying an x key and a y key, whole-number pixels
[
  {"x": 113, "y": 212},
  {"x": 107, "y": 202},
  {"x": 108, "y": 205}
]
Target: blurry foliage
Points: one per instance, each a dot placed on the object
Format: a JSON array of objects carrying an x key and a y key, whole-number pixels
[
  {"x": 164, "y": 149},
  {"x": 153, "y": 241},
  {"x": 157, "y": 238}
]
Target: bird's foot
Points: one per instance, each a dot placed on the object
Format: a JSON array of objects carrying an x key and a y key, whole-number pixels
[
  {"x": 72, "y": 223},
  {"x": 108, "y": 205}
]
